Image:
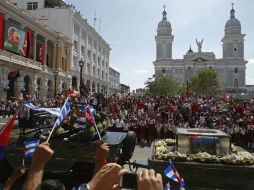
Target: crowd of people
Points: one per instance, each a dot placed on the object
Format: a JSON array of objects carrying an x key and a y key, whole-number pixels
[
  {"x": 149, "y": 117},
  {"x": 158, "y": 117},
  {"x": 155, "y": 117}
]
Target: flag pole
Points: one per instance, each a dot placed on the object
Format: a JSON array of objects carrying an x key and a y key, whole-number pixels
[
  {"x": 23, "y": 161},
  {"x": 97, "y": 130},
  {"x": 52, "y": 130}
]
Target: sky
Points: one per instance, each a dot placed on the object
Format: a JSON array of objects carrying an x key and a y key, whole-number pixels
[{"x": 129, "y": 26}]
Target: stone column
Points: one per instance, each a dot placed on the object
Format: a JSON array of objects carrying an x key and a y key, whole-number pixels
[
  {"x": 46, "y": 51},
  {"x": 18, "y": 85},
  {"x": 67, "y": 61},
  {"x": 34, "y": 45},
  {"x": 91, "y": 87},
  {"x": 54, "y": 56},
  {"x": 59, "y": 57},
  {"x": 100, "y": 87}
]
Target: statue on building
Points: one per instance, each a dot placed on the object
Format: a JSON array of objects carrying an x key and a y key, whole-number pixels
[{"x": 199, "y": 44}]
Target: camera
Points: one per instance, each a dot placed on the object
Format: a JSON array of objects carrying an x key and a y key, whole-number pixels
[{"x": 128, "y": 181}]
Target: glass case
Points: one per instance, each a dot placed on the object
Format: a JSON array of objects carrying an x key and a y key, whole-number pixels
[{"x": 193, "y": 141}]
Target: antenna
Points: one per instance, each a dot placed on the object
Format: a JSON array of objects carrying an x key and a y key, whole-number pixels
[
  {"x": 94, "y": 20},
  {"x": 100, "y": 25}
]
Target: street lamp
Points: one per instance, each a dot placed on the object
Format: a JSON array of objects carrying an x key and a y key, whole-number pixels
[
  {"x": 55, "y": 74},
  {"x": 81, "y": 65}
]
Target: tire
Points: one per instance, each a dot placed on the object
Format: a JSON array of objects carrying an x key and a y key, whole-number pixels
[{"x": 128, "y": 146}]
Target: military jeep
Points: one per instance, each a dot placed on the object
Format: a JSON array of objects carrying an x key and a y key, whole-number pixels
[{"x": 73, "y": 160}]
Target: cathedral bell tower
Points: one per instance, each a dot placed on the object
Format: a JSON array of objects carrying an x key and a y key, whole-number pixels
[
  {"x": 164, "y": 38},
  {"x": 233, "y": 40}
]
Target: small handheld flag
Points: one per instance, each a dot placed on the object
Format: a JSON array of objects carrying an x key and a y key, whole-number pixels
[
  {"x": 90, "y": 117},
  {"x": 172, "y": 173},
  {"x": 167, "y": 187},
  {"x": 30, "y": 147},
  {"x": 64, "y": 111}
]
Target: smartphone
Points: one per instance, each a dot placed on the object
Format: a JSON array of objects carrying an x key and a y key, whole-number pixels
[{"x": 128, "y": 181}]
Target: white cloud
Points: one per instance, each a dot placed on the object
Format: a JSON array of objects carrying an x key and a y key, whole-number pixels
[
  {"x": 140, "y": 71},
  {"x": 251, "y": 61},
  {"x": 117, "y": 68},
  {"x": 249, "y": 80}
]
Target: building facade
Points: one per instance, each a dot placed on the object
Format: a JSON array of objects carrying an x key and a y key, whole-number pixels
[
  {"x": 34, "y": 59},
  {"x": 88, "y": 45},
  {"x": 231, "y": 68},
  {"x": 125, "y": 89},
  {"x": 114, "y": 82}
]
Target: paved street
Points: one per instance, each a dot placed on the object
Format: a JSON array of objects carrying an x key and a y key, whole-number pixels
[
  {"x": 141, "y": 152},
  {"x": 5, "y": 120}
]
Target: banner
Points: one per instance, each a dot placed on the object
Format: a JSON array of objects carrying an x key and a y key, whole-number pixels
[
  {"x": 14, "y": 38},
  {"x": 30, "y": 43},
  {"x": 42, "y": 53},
  {"x": 13, "y": 75},
  {"x": 1, "y": 31}
]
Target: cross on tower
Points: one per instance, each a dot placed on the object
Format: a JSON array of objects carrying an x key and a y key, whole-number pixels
[
  {"x": 232, "y": 4},
  {"x": 164, "y": 7}
]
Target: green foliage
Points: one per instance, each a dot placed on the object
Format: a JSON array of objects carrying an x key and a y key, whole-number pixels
[
  {"x": 205, "y": 83},
  {"x": 162, "y": 86}
]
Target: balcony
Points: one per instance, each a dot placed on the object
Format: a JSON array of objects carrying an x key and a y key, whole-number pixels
[{"x": 19, "y": 60}]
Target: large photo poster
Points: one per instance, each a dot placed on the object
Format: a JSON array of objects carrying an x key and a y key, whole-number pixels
[{"x": 14, "y": 38}]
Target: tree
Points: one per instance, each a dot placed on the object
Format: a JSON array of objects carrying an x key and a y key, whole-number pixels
[
  {"x": 161, "y": 86},
  {"x": 206, "y": 83}
]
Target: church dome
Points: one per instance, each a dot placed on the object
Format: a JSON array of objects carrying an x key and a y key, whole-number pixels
[
  {"x": 232, "y": 22},
  {"x": 164, "y": 22},
  {"x": 164, "y": 26}
]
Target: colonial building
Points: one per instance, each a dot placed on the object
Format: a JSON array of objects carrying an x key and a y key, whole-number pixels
[
  {"x": 88, "y": 45},
  {"x": 231, "y": 68},
  {"x": 114, "y": 82},
  {"x": 34, "y": 59}
]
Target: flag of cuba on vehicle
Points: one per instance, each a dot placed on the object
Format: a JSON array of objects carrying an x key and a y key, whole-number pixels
[
  {"x": 30, "y": 147},
  {"x": 64, "y": 111}
]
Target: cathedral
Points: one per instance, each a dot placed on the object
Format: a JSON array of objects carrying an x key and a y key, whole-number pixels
[{"x": 230, "y": 68}]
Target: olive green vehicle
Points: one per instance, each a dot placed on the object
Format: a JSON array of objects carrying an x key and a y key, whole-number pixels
[
  {"x": 73, "y": 160},
  {"x": 213, "y": 172}
]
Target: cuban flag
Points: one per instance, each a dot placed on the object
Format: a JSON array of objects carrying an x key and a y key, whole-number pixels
[
  {"x": 93, "y": 111},
  {"x": 64, "y": 111},
  {"x": 172, "y": 173},
  {"x": 53, "y": 111},
  {"x": 81, "y": 123},
  {"x": 30, "y": 147},
  {"x": 89, "y": 115},
  {"x": 167, "y": 187}
]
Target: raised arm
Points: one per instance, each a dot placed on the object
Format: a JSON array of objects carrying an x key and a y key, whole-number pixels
[{"x": 42, "y": 155}]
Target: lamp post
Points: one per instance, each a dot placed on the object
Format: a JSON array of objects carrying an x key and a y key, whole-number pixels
[
  {"x": 6, "y": 89},
  {"x": 55, "y": 74},
  {"x": 23, "y": 90},
  {"x": 81, "y": 65}
]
